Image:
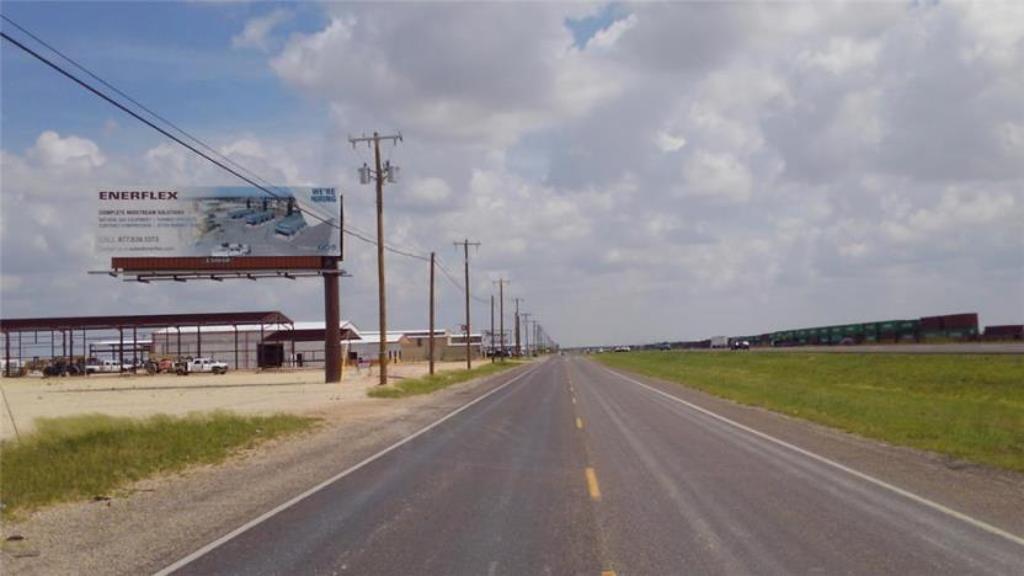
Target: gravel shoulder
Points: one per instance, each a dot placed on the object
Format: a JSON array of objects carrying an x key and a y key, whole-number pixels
[
  {"x": 158, "y": 521},
  {"x": 988, "y": 494}
]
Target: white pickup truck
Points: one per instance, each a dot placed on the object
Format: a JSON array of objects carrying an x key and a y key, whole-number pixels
[
  {"x": 200, "y": 365},
  {"x": 105, "y": 367}
]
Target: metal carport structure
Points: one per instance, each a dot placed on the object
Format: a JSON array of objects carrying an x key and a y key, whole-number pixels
[{"x": 68, "y": 326}]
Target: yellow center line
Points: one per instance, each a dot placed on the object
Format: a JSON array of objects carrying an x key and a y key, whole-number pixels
[
  {"x": 595, "y": 490},
  {"x": 579, "y": 424},
  {"x": 608, "y": 573}
]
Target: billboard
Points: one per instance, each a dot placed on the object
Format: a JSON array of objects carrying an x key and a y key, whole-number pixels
[{"x": 220, "y": 222}]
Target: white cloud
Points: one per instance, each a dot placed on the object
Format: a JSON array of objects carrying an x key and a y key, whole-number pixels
[
  {"x": 71, "y": 152},
  {"x": 607, "y": 38},
  {"x": 842, "y": 55},
  {"x": 257, "y": 30},
  {"x": 717, "y": 176},
  {"x": 429, "y": 70},
  {"x": 430, "y": 191},
  {"x": 668, "y": 143}
]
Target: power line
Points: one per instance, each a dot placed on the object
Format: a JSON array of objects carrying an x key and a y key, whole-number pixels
[
  {"x": 450, "y": 276},
  {"x": 128, "y": 97},
  {"x": 234, "y": 169}
]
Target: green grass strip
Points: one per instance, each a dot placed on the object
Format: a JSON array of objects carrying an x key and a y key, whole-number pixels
[
  {"x": 428, "y": 384},
  {"x": 82, "y": 457},
  {"x": 970, "y": 407}
]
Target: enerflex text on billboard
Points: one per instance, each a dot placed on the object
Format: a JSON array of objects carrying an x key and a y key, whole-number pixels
[{"x": 219, "y": 221}]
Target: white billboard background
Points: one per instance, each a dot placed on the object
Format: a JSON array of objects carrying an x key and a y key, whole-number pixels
[{"x": 219, "y": 221}]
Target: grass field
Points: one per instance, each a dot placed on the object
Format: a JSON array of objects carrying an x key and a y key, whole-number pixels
[
  {"x": 428, "y": 384},
  {"x": 967, "y": 406},
  {"x": 87, "y": 456}
]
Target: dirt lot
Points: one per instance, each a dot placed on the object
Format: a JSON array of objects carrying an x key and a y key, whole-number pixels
[{"x": 297, "y": 391}]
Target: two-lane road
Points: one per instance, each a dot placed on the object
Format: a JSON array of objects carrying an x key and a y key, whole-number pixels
[{"x": 570, "y": 468}]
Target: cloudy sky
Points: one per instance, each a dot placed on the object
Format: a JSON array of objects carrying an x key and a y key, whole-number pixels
[{"x": 640, "y": 172}]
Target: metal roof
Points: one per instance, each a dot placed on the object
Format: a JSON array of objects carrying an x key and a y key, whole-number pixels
[{"x": 141, "y": 321}]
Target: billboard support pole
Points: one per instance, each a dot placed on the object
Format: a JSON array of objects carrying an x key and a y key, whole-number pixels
[
  {"x": 430, "y": 349},
  {"x": 332, "y": 344}
]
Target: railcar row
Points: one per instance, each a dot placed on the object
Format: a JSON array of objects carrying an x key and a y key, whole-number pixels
[{"x": 950, "y": 327}]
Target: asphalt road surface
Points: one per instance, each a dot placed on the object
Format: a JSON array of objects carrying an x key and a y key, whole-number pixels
[{"x": 570, "y": 468}]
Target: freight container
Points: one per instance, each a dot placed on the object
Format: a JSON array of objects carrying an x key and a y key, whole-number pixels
[
  {"x": 1005, "y": 332},
  {"x": 960, "y": 321}
]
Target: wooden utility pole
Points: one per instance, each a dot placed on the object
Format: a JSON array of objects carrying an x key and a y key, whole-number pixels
[
  {"x": 519, "y": 349},
  {"x": 465, "y": 246},
  {"x": 526, "y": 331},
  {"x": 430, "y": 348},
  {"x": 380, "y": 173},
  {"x": 501, "y": 282}
]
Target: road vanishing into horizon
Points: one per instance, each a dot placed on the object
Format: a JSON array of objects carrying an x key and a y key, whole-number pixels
[{"x": 571, "y": 468}]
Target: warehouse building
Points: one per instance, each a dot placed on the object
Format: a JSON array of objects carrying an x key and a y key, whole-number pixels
[{"x": 298, "y": 344}]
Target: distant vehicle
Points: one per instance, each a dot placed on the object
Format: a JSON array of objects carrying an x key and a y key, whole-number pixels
[
  {"x": 720, "y": 342},
  {"x": 230, "y": 249},
  {"x": 665, "y": 346},
  {"x": 61, "y": 367},
  {"x": 200, "y": 365},
  {"x": 741, "y": 345},
  {"x": 622, "y": 348},
  {"x": 105, "y": 367},
  {"x": 158, "y": 366}
]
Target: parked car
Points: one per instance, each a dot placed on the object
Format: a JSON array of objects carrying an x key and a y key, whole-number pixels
[
  {"x": 200, "y": 365},
  {"x": 741, "y": 345}
]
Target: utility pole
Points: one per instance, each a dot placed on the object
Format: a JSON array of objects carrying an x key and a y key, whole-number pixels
[
  {"x": 379, "y": 174},
  {"x": 492, "y": 328},
  {"x": 465, "y": 246},
  {"x": 519, "y": 349},
  {"x": 430, "y": 340},
  {"x": 526, "y": 331},
  {"x": 501, "y": 282}
]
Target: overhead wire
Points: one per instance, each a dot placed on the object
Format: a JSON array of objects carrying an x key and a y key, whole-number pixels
[
  {"x": 224, "y": 162},
  {"x": 455, "y": 282}
]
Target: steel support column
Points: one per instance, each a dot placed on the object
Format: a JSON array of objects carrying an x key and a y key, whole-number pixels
[{"x": 332, "y": 332}]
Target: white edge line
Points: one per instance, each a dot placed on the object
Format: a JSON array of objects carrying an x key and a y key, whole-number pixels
[
  {"x": 905, "y": 493},
  {"x": 280, "y": 508}
]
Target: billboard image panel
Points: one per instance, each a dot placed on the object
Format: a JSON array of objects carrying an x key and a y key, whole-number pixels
[{"x": 219, "y": 222}]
